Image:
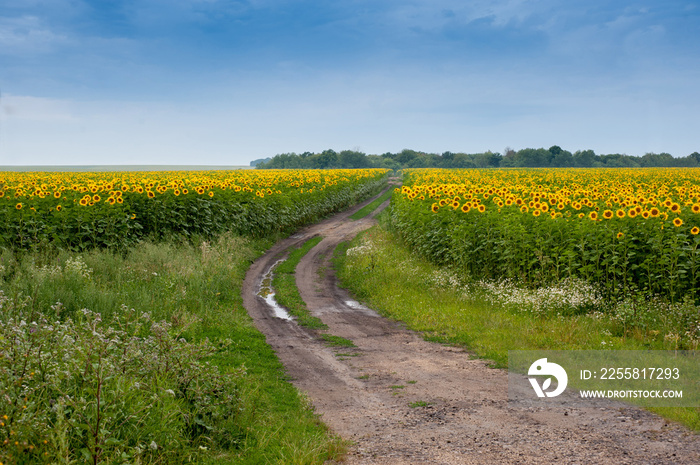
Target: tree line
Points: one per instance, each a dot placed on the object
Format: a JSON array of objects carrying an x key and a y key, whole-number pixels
[{"x": 554, "y": 157}]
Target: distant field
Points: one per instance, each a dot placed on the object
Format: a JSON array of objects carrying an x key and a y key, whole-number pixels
[{"x": 124, "y": 167}]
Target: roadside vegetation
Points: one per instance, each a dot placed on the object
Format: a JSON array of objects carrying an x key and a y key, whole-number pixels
[
  {"x": 144, "y": 357},
  {"x": 123, "y": 337},
  {"x": 490, "y": 317}
]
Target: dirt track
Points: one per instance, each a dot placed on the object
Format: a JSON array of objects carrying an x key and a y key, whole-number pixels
[{"x": 364, "y": 393}]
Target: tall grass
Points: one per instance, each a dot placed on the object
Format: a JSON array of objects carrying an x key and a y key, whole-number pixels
[{"x": 171, "y": 299}]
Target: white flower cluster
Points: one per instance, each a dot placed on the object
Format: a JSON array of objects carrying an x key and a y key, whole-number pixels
[
  {"x": 569, "y": 294},
  {"x": 77, "y": 265},
  {"x": 73, "y": 265},
  {"x": 444, "y": 279},
  {"x": 359, "y": 250}
]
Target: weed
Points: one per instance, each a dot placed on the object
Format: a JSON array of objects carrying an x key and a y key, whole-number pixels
[
  {"x": 337, "y": 341},
  {"x": 420, "y": 403}
]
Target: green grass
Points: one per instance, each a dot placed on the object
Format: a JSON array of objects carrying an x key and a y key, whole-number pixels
[
  {"x": 286, "y": 292},
  {"x": 420, "y": 403},
  {"x": 370, "y": 207},
  {"x": 399, "y": 284},
  {"x": 337, "y": 341},
  {"x": 196, "y": 288},
  {"x": 287, "y": 295}
]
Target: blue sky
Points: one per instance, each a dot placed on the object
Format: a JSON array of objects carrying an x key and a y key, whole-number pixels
[{"x": 223, "y": 82}]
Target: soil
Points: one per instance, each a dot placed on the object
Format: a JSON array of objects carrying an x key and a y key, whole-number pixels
[{"x": 401, "y": 400}]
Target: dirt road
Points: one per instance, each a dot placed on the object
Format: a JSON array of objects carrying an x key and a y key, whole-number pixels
[{"x": 402, "y": 400}]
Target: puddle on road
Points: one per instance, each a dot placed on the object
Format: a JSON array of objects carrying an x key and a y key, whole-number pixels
[
  {"x": 267, "y": 293},
  {"x": 355, "y": 304}
]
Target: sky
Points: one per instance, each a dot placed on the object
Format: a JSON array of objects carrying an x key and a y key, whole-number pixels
[{"x": 224, "y": 82}]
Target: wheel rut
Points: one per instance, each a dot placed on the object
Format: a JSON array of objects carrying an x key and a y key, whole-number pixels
[{"x": 402, "y": 400}]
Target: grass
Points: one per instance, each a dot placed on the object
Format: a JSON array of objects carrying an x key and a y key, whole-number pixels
[
  {"x": 390, "y": 278},
  {"x": 370, "y": 207},
  {"x": 196, "y": 288},
  {"x": 287, "y": 295},
  {"x": 337, "y": 341},
  {"x": 286, "y": 292},
  {"x": 420, "y": 403}
]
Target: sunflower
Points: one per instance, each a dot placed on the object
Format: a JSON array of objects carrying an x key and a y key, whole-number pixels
[
  {"x": 536, "y": 213},
  {"x": 150, "y": 194},
  {"x": 211, "y": 193},
  {"x": 607, "y": 214},
  {"x": 632, "y": 213},
  {"x": 83, "y": 202},
  {"x": 455, "y": 204},
  {"x": 466, "y": 207},
  {"x": 18, "y": 206},
  {"x": 620, "y": 235},
  {"x": 96, "y": 198},
  {"x": 581, "y": 215},
  {"x": 57, "y": 195},
  {"x": 435, "y": 207},
  {"x": 696, "y": 208},
  {"x": 481, "y": 208},
  {"x": 59, "y": 208},
  {"x": 675, "y": 208},
  {"x": 677, "y": 222},
  {"x": 593, "y": 216},
  {"x": 524, "y": 209},
  {"x": 695, "y": 231},
  {"x": 645, "y": 214},
  {"x": 654, "y": 212}
]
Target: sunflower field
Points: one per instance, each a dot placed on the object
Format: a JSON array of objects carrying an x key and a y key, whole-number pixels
[
  {"x": 624, "y": 230},
  {"x": 115, "y": 209}
]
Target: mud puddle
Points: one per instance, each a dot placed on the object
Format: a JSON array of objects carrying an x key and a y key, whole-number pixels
[{"x": 267, "y": 292}]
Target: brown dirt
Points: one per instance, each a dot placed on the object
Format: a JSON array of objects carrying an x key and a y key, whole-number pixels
[{"x": 364, "y": 394}]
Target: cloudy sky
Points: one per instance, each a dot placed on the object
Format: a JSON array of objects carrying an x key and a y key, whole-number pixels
[{"x": 226, "y": 81}]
